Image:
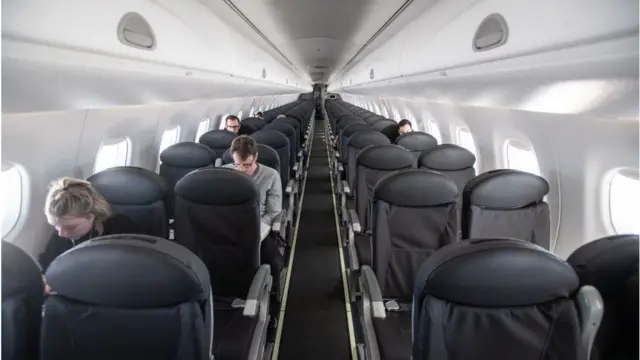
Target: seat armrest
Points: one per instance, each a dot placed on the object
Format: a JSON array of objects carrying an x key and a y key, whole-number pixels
[
  {"x": 260, "y": 281},
  {"x": 372, "y": 288},
  {"x": 340, "y": 167},
  {"x": 218, "y": 162},
  {"x": 296, "y": 187},
  {"x": 354, "y": 222},
  {"x": 289, "y": 188},
  {"x": 337, "y": 154},
  {"x": 591, "y": 308},
  {"x": 295, "y": 167},
  {"x": 300, "y": 153},
  {"x": 279, "y": 222},
  {"x": 345, "y": 188}
]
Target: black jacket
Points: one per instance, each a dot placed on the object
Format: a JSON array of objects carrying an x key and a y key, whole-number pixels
[{"x": 116, "y": 224}]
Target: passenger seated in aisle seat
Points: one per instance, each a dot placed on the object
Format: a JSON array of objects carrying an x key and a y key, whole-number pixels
[
  {"x": 78, "y": 213},
  {"x": 244, "y": 151},
  {"x": 404, "y": 126},
  {"x": 232, "y": 123},
  {"x": 260, "y": 115}
]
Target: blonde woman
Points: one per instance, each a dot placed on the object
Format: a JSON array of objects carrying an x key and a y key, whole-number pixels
[{"x": 78, "y": 213}]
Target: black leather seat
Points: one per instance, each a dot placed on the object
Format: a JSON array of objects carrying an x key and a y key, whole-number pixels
[
  {"x": 139, "y": 193},
  {"x": 127, "y": 297},
  {"x": 217, "y": 140},
  {"x": 22, "y": 297}
]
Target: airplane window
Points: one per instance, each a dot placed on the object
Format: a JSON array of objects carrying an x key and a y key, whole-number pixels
[
  {"x": 252, "y": 111},
  {"x": 624, "y": 205},
  {"x": 465, "y": 139},
  {"x": 222, "y": 121},
  {"x": 240, "y": 115},
  {"x": 521, "y": 158},
  {"x": 434, "y": 130},
  {"x": 377, "y": 108},
  {"x": 112, "y": 154},
  {"x": 203, "y": 127},
  {"x": 12, "y": 186},
  {"x": 169, "y": 138}
]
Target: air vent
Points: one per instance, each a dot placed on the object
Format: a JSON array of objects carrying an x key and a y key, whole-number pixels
[
  {"x": 321, "y": 67},
  {"x": 134, "y": 31},
  {"x": 264, "y": 73},
  {"x": 372, "y": 75},
  {"x": 492, "y": 33}
]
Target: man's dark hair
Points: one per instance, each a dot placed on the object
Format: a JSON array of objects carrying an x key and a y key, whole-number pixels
[
  {"x": 259, "y": 113},
  {"x": 404, "y": 122},
  {"x": 232, "y": 118},
  {"x": 244, "y": 146}
]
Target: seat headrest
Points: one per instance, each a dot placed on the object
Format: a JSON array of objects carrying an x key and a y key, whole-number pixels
[
  {"x": 385, "y": 157},
  {"x": 217, "y": 139},
  {"x": 417, "y": 141},
  {"x": 447, "y": 157},
  {"x": 129, "y": 185},
  {"x": 282, "y": 127},
  {"x": 295, "y": 116},
  {"x": 495, "y": 273},
  {"x": 354, "y": 128},
  {"x": 506, "y": 189},
  {"x": 607, "y": 263},
  {"x": 246, "y": 129},
  {"x": 254, "y": 122},
  {"x": 129, "y": 271},
  {"x": 187, "y": 154},
  {"x": 288, "y": 121},
  {"x": 275, "y": 139},
  {"x": 21, "y": 273},
  {"x": 370, "y": 117},
  {"x": 416, "y": 188},
  {"x": 266, "y": 156},
  {"x": 217, "y": 187},
  {"x": 382, "y": 124},
  {"x": 362, "y": 139}
]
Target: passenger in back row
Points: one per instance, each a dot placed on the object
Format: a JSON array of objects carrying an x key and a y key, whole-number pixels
[
  {"x": 232, "y": 123},
  {"x": 404, "y": 126},
  {"x": 78, "y": 213},
  {"x": 244, "y": 151}
]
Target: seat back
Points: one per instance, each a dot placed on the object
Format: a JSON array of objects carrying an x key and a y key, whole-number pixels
[
  {"x": 355, "y": 144},
  {"x": 414, "y": 213},
  {"x": 217, "y": 140},
  {"x": 452, "y": 160},
  {"x": 128, "y": 297},
  {"x": 290, "y": 133},
  {"x": 417, "y": 142},
  {"x": 387, "y": 127},
  {"x": 254, "y": 122},
  {"x": 495, "y": 299},
  {"x": 295, "y": 125},
  {"x": 138, "y": 193},
  {"x": 506, "y": 203},
  {"x": 608, "y": 264},
  {"x": 372, "y": 164},
  {"x": 345, "y": 134},
  {"x": 218, "y": 218},
  {"x": 177, "y": 161},
  {"x": 22, "y": 297},
  {"x": 266, "y": 156},
  {"x": 278, "y": 142},
  {"x": 246, "y": 129}
]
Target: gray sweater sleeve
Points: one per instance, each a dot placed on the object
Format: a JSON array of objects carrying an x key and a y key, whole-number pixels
[{"x": 274, "y": 199}]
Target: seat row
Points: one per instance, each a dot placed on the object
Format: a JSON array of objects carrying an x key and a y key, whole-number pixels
[
  {"x": 205, "y": 293},
  {"x": 136, "y": 296},
  {"x": 409, "y": 202}
]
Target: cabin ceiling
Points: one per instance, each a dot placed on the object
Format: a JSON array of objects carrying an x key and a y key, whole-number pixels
[{"x": 317, "y": 36}]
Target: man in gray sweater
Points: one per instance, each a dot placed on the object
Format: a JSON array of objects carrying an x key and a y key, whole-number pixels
[{"x": 244, "y": 151}]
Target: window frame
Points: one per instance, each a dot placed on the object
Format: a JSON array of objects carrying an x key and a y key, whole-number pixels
[
  {"x": 23, "y": 207},
  {"x": 207, "y": 126},
  {"x": 177, "y": 139},
  {"x": 519, "y": 145},
  {"x": 459, "y": 131},
  {"x": 430, "y": 129},
  {"x": 607, "y": 212},
  {"x": 111, "y": 142}
]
